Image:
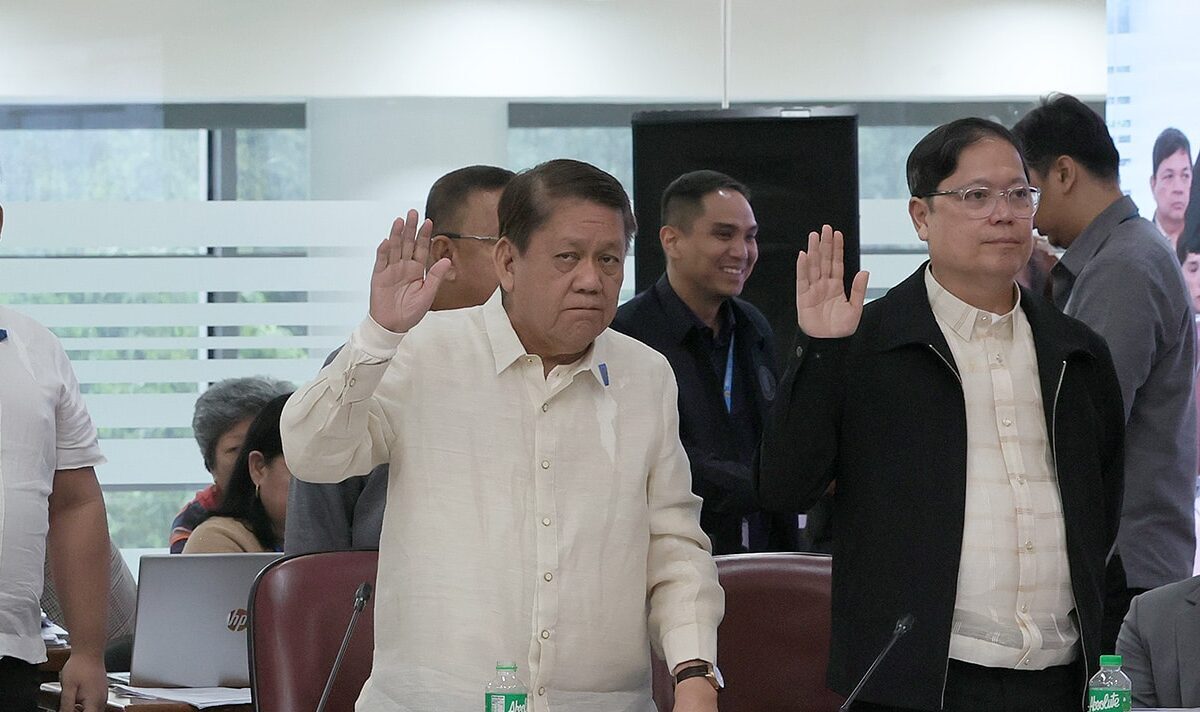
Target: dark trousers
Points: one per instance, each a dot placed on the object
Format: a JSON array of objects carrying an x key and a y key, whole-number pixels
[
  {"x": 18, "y": 685},
  {"x": 1117, "y": 597},
  {"x": 974, "y": 688}
]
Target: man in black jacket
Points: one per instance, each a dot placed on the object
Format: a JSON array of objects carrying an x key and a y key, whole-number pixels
[
  {"x": 721, "y": 350},
  {"x": 974, "y": 438}
]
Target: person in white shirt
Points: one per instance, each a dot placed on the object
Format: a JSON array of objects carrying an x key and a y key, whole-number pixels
[
  {"x": 49, "y": 499},
  {"x": 539, "y": 503}
]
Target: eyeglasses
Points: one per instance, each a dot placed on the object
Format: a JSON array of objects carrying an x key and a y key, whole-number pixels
[
  {"x": 457, "y": 236},
  {"x": 980, "y": 201}
]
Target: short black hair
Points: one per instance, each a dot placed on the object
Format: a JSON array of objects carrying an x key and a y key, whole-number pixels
[
  {"x": 1062, "y": 125},
  {"x": 448, "y": 193},
  {"x": 241, "y": 500},
  {"x": 682, "y": 200},
  {"x": 1168, "y": 143},
  {"x": 525, "y": 204},
  {"x": 936, "y": 156}
]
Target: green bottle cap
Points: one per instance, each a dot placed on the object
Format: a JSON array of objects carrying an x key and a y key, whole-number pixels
[
  {"x": 1110, "y": 661},
  {"x": 506, "y": 666}
]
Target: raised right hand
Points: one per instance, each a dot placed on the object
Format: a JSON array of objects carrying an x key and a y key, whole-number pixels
[
  {"x": 401, "y": 289},
  {"x": 822, "y": 309}
]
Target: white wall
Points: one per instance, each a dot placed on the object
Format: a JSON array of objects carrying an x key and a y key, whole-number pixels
[
  {"x": 889, "y": 49},
  {"x": 150, "y": 50},
  {"x": 393, "y": 149}
]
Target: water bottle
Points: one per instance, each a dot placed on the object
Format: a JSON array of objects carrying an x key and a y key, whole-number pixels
[
  {"x": 506, "y": 692},
  {"x": 1109, "y": 689}
]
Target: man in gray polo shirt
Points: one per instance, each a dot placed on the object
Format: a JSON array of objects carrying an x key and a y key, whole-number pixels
[{"x": 1120, "y": 277}]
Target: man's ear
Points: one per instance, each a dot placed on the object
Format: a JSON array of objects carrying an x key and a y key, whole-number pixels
[
  {"x": 442, "y": 246},
  {"x": 918, "y": 212},
  {"x": 1064, "y": 173},
  {"x": 1, "y": 218},
  {"x": 669, "y": 237},
  {"x": 504, "y": 257}
]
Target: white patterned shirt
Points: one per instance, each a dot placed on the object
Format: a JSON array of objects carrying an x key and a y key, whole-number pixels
[
  {"x": 545, "y": 519},
  {"x": 1014, "y": 596}
]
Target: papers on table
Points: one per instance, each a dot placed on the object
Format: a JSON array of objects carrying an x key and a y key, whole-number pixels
[
  {"x": 198, "y": 697},
  {"x": 53, "y": 635}
]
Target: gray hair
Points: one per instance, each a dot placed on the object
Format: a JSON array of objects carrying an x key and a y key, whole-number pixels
[{"x": 227, "y": 403}]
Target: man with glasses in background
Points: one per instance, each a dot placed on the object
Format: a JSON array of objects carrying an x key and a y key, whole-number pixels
[
  {"x": 462, "y": 206},
  {"x": 973, "y": 434},
  {"x": 1121, "y": 278}
]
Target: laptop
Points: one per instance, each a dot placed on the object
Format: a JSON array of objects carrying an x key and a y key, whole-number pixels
[{"x": 191, "y": 620}]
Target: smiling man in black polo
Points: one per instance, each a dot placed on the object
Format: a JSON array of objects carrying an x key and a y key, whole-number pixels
[{"x": 721, "y": 350}]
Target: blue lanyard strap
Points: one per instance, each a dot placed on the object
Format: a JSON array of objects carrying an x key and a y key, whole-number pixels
[{"x": 729, "y": 378}]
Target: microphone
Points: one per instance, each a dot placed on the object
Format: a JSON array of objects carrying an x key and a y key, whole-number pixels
[
  {"x": 361, "y": 596},
  {"x": 903, "y": 625}
]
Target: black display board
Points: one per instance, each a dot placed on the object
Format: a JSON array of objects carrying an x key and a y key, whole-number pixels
[{"x": 802, "y": 172}]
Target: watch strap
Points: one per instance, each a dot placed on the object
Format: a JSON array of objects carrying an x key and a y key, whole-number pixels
[{"x": 701, "y": 670}]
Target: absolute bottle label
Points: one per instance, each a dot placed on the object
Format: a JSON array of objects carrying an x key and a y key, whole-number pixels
[
  {"x": 1106, "y": 700},
  {"x": 502, "y": 702}
]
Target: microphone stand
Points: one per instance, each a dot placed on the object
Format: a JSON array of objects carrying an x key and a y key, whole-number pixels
[
  {"x": 902, "y": 626},
  {"x": 361, "y": 596}
]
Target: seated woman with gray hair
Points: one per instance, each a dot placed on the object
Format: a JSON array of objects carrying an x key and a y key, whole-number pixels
[
  {"x": 223, "y": 414},
  {"x": 252, "y": 515}
]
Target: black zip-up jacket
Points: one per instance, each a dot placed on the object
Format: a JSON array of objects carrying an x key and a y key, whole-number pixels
[{"x": 882, "y": 414}]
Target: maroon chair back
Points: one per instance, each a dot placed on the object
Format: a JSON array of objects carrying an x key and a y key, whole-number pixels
[
  {"x": 299, "y": 609},
  {"x": 773, "y": 645}
]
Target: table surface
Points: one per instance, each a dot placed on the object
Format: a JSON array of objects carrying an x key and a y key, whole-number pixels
[
  {"x": 48, "y": 699},
  {"x": 56, "y": 657},
  {"x": 50, "y": 692}
]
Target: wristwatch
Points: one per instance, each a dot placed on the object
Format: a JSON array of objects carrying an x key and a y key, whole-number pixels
[{"x": 708, "y": 671}]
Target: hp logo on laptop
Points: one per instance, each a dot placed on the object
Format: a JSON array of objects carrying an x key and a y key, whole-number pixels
[{"x": 238, "y": 618}]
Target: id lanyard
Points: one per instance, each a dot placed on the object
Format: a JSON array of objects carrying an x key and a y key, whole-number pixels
[{"x": 729, "y": 378}]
